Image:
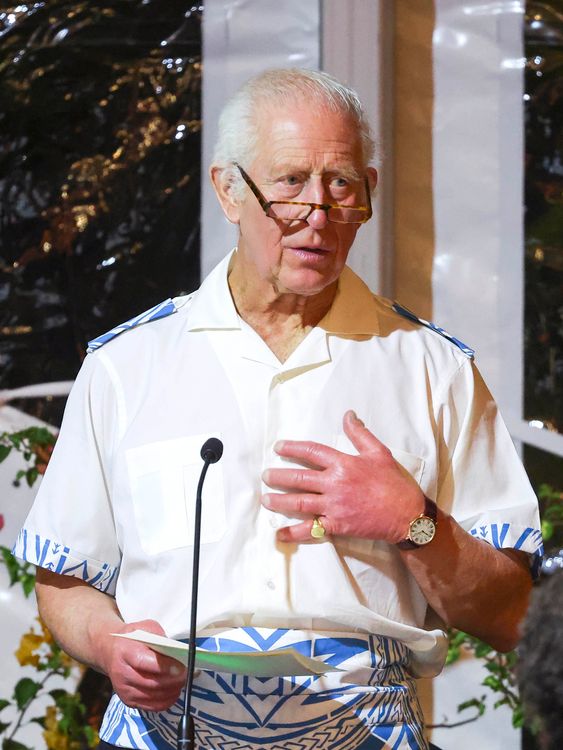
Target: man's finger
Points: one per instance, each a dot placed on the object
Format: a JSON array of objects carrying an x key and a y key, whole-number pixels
[
  {"x": 300, "y": 532},
  {"x": 303, "y": 480},
  {"x": 361, "y": 438},
  {"x": 283, "y": 502},
  {"x": 308, "y": 452}
]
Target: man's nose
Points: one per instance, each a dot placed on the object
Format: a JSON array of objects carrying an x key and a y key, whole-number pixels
[{"x": 318, "y": 218}]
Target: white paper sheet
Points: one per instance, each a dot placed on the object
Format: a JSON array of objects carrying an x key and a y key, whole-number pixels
[{"x": 286, "y": 662}]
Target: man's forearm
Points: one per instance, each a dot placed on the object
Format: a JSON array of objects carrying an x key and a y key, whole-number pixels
[
  {"x": 82, "y": 620},
  {"x": 79, "y": 616},
  {"x": 471, "y": 585}
]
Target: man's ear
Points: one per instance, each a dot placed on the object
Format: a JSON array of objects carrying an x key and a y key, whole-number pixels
[
  {"x": 222, "y": 184},
  {"x": 372, "y": 177}
]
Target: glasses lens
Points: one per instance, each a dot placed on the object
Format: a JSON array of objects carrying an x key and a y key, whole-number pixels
[
  {"x": 342, "y": 215},
  {"x": 289, "y": 211},
  {"x": 297, "y": 212}
]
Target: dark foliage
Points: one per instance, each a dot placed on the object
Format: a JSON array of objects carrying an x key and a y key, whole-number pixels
[{"x": 99, "y": 173}]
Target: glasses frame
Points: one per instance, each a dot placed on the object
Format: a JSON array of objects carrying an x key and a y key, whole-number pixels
[{"x": 266, "y": 205}]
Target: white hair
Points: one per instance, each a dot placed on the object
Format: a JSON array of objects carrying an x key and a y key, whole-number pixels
[{"x": 238, "y": 123}]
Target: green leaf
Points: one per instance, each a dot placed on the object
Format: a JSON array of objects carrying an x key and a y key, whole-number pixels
[
  {"x": 55, "y": 663},
  {"x": 28, "y": 583},
  {"x": 25, "y": 691},
  {"x": 39, "y": 720},
  {"x": 493, "y": 682},
  {"x": 453, "y": 655},
  {"x": 478, "y": 703},
  {"x": 31, "y": 476},
  {"x": 482, "y": 649},
  {"x": 494, "y": 666},
  {"x": 546, "y": 529},
  {"x": 37, "y": 436},
  {"x": 518, "y": 717},
  {"x": 4, "y": 452},
  {"x": 13, "y": 745},
  {"x": 4, "y": 725},
  {"x": 57, "y": 694},
  {"x": 458, "y": 638},
  {"x": 502, "y": 702},
  {"x": 3, "y": 703},
  {"x": 23, "y": 573},
  {"x": 64, "y": 724},
  {"x": 11, "y": 563},
  {"x": 89, "y": 734},
  {"x": 545, "y": 491},
  {"x": 19, "y": 475}
]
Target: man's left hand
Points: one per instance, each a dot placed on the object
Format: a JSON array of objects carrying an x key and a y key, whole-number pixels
[{"x": 366, "y": 495}]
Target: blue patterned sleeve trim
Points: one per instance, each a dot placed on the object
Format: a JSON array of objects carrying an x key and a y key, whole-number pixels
[
  {"x": 510, "y": 536},
  {"x": 52, "y": 555}
]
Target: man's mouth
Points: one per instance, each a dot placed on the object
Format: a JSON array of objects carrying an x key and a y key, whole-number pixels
[{"x": 310, "y": 250}]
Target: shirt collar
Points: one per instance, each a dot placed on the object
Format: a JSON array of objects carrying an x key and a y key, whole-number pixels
[
  {"x": 213, "y": 307},
  {"x": 354, "y": 310}
]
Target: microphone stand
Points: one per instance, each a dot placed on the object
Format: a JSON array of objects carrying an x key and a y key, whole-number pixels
[{"x": 211, "y": 452}]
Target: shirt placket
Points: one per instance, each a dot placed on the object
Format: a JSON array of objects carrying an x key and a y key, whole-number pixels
[{"x": 284, "y": 419}]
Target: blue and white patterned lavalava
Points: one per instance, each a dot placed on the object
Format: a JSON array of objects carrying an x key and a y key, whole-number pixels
[{"x": 370, "y": 704}]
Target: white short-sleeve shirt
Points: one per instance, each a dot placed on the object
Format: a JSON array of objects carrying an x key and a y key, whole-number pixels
[{"x": 116, "y": 506}]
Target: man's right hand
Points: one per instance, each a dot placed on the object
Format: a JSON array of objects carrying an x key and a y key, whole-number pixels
[
  {"x": 82, "y": 619},
  {"x": 141, "y": 677}
]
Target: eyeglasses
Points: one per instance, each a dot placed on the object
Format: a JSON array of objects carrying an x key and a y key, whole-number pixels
[{"x": 289, "y": 211}]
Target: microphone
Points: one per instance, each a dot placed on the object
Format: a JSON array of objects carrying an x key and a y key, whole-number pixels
[{"x": 211, "y": 452}]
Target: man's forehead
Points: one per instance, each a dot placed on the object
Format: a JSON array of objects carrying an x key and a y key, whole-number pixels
[{"x": 290, "y": 137}]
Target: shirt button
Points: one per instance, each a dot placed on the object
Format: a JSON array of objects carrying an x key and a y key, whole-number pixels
[{"x": 271, "y": 585}]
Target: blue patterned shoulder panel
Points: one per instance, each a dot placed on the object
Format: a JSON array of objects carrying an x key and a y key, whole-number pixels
[
  {"x": 400, "y": 310},
  {"x": 162, "y": 310}
]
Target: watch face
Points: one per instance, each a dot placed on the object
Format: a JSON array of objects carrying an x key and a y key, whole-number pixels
[{"x": 422, "y": 530}]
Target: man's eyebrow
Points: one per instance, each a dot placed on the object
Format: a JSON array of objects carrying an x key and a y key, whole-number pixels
[
  {"x": 282, "y": 169},
  {"x": 351, "y": 173}
]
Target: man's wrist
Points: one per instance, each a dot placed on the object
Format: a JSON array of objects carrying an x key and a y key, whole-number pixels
[{"x": 422, "y": 528}]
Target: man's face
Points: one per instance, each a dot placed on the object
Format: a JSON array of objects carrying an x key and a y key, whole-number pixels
[{"x": 305, "y": 155}]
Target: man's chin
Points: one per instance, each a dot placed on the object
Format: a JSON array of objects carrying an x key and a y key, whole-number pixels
[{"x": 306, "y": 282}]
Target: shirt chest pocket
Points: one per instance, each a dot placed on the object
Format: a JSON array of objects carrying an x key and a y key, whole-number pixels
[
  {"x": 163, "y": 479},
  {"x": 411, "y": 464}
]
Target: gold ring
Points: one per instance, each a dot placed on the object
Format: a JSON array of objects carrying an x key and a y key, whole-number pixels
[{"x": 317, "y": 529}]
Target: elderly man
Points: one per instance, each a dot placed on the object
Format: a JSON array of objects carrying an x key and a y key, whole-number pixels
[{"x": 367, "y": 485}]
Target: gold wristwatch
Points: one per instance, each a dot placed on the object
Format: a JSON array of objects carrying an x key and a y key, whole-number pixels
[{"x": 422, "y": 529}]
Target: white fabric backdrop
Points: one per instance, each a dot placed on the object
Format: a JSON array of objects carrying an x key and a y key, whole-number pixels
[{"x": 241, "y": 38}]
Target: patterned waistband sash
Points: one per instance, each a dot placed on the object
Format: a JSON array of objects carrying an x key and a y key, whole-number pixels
[
  {"x": 363, "y": 659},
  {"x": 371, "y": 697}
]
